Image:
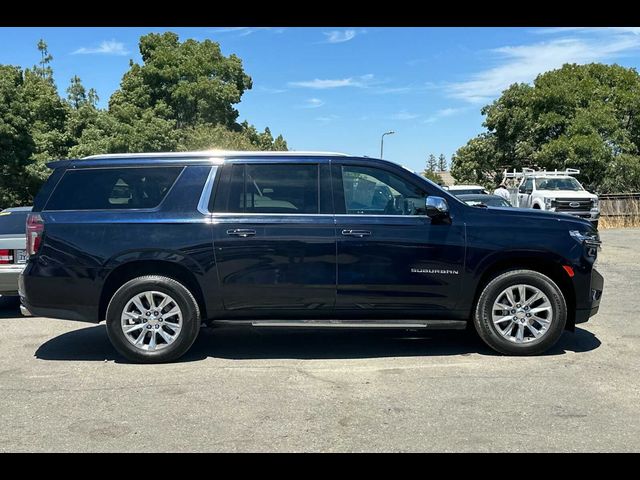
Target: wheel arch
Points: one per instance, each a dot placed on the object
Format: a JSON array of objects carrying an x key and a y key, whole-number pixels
[
  {"x": 545, "y": 265},
  {"x": 138, "y": 268}
]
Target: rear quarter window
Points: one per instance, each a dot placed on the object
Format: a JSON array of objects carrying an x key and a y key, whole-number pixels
[{"x": 113, "y": 188}]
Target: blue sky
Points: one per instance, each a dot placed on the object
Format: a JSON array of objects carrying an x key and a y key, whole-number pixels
[{"x": 339, "y": 89}]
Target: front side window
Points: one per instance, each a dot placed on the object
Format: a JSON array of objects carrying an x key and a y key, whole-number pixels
[
  {"x": 528, "y": 186},
  {"x": 113, "y": 188},
  {"x": 273, "y": 188},
  {"x": 374, "y": 191}
]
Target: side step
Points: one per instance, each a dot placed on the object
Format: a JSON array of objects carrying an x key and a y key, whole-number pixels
[{"x": 428, "y": 324}]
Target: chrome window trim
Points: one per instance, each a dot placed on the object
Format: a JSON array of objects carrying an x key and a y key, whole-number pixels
[
  {"x": 203, "y": 203},
  {"x": 242, "y": 214}
]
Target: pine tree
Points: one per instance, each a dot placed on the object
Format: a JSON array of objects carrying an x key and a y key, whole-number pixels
[{"x": 442, "y": 163}]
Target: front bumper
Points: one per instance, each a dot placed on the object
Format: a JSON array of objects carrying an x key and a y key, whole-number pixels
[
  {"x": 595, "y": 294},
  {"x": 9, "y": 279}
]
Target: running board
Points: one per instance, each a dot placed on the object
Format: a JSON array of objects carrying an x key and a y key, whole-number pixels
[{"x": 428, "y": 324}]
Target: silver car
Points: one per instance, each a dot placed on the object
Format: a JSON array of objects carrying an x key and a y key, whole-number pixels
[{"x": 13, "y": 254}]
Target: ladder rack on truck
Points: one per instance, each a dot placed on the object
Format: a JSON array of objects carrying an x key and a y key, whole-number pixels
[{"x": 530, "y": 172}]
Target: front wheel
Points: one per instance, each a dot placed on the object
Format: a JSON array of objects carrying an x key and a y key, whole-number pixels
[
  {"x": 153, "y": 319},
  {"x": 521, "y": 312}
]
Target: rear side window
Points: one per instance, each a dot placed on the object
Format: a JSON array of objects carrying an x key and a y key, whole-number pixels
[
  {"x": 113, "y": 188},
  {"x": 13, "y": 222},
  {"x": 272, "y": 188}
]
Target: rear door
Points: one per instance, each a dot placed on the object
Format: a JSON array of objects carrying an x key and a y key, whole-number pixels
[
  {"x": 274, "y": 238},
  {"x": 393, "y": 261}
]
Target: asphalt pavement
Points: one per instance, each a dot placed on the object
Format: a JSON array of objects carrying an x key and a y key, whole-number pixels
[{"x": 63, "y": 387}]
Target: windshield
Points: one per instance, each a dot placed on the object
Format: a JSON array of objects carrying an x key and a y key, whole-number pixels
[
  {"x": 567, "y": 183},
  {"x": 467, "y": 191},
  {"x": 13, "y": 222}
]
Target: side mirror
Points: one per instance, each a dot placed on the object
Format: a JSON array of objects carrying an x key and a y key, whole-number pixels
[{"x": 436, "y": 207}]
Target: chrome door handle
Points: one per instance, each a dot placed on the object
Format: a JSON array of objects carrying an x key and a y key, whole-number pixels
[
  {"x": 356, "y": 233},
  {"x": 241, "y": 232}
]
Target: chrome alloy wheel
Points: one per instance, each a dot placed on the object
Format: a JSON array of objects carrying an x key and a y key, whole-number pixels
[
  {"x": 151, "y": 321},
  {"x": 522, "y": 313}
]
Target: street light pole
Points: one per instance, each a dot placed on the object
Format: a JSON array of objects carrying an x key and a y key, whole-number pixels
[{"x": 390, "y": 132}]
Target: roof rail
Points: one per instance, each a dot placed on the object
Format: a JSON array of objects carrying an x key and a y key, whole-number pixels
[{"x": 216, "y": 153}]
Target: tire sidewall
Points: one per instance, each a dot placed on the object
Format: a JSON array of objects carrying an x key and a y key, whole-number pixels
[
  {"x": 168, "y": 286},
  {"x": 489, "y": 332}
]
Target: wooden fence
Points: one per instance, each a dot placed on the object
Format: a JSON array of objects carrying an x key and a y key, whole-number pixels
[{"x": 619, "y": 210}]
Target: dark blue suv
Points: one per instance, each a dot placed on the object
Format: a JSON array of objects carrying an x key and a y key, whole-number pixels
[{"x": 158, "y": 244}]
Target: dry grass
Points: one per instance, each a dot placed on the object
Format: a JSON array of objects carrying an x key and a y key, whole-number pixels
[
  {"x": 619, "y": 213},
  {"x": 619, "y": 222}
]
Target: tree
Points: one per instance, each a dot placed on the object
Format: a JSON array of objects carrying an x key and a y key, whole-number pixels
[
  {"x": 581, "y": 116},
  {"x": 181, "y": 97},
  {"x": 430, "y": 170},
  {"x": 16, "y": 144},
  {"x": 432, "y": 163},
  {"x": 44, "y": 69},
  {"x": 188, "y": 83},
  {"x": 442, "y": 163}
]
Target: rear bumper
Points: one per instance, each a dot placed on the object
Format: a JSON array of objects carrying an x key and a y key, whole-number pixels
[
  {"x": 9, "y": 279},
  {"x": 595, "y": 294},
  {"x": 79, "y": 313}
]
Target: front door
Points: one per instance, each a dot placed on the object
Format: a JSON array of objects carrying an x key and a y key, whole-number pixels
[
  {"x": 524, "y": 193},
  {"x": 275, "y": 249},
  {"x": 393, "y": 261}
]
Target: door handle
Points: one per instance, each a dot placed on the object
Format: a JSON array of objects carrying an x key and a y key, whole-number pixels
[
  {"x": 241, "y": 232},
  {"x": 356, "y": 233}
]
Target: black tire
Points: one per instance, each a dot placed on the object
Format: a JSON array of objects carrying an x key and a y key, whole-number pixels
[
  {"x": 490, "y": 333},
  {"x": 182, "y": 296}
]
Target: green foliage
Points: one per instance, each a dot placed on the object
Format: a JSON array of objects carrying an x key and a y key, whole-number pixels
[
  {"x": 431, "y": 168},
  {"x": 181, "y": 97},
  {"x": 433, "y": 176},
  {"x": 190, "y": 82},
  {"x": 442, "y": 163},
  {"x": 581, "y": 116}
]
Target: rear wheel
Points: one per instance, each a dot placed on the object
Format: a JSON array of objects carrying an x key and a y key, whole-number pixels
[
  {"x": 521, "y": 312},
  {"x": 153, "y": 319}
]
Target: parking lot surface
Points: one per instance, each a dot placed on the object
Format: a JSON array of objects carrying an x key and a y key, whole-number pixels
[{"x": 64, "y": 388}]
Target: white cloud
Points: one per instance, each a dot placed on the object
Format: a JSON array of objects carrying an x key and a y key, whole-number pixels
[
  {"x": 327, "y": 118},
  {"x": 108, "y": 47},
  {"x": 524, "y": 62},
  {"x": 313, "y": 103},
  {"x": 445, "y": 112},
  {"x": 244, "y": 31},
  {"x": 340, "y": 36},
  {"x": 271, "y": 90},
  {"x": 320, "y": 84},
  {"x": 594, "y": 30},
  {"x": 404, "y": 115}
]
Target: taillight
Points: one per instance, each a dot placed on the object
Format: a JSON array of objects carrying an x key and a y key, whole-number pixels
[
  {"x": 6, "y": 256},
  {"x": 35, "y": 229}
]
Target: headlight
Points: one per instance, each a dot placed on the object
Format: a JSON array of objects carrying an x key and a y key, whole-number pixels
[
  {"x": 591, "y": 241},
  {"x": 595, "y": 203},
  {"x": 549, "y": 202}
]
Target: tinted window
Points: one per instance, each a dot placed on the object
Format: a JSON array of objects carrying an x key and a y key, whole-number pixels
[
  {"x": 467, "y": 191},
  {"x": 270, "y": 188},
  {"x": 373, "y": 191},
  {"x": 113, "y": 188},
  {"x": 13, "y": 222}
]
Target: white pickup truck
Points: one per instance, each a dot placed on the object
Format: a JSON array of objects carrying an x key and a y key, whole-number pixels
[{"x": 556, "y": 191}]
